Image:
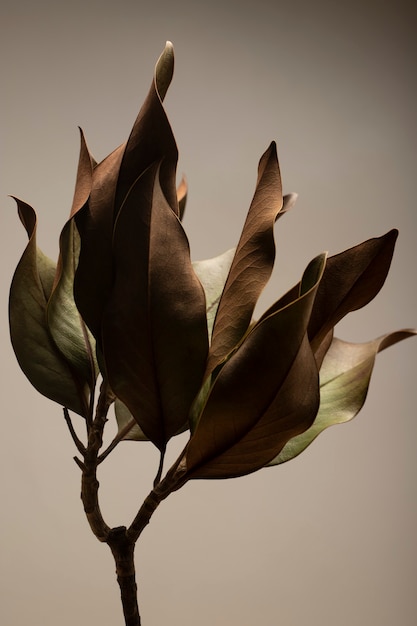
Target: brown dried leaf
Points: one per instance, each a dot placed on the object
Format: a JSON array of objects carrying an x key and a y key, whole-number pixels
[
  {"x": 350, "y": 281},
  {"x": 252, "y": 264},
  {"x": 266, "y": 392},
  {"x": 154, "y": 326},
  {"x": 151, "y": 140}
]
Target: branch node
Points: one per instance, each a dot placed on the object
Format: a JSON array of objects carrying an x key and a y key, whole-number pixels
[
  {"x": 80, "y": 464},
  {"x": 78, "y": 443}
]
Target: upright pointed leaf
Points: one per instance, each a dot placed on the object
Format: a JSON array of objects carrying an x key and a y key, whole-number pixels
[
  {"x": 150, "y": 140},
  {"x": 154, "y": 327},
  {"x": 36, "y": 353},
  {"x": 84, "y": 180},
  {"x": 344, "y": 380},
  {"x": 252, "y": 264},
  {"x": 266, "y": 392},
  {"x": 65, "y": 324},
  {"x": 213, "y": 272},
  {"x": 94, "y": 222}
]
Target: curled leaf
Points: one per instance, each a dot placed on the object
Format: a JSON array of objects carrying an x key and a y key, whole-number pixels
[
  {"x": 350, "y": 281},
  {"x": 182, "y": 191},
  {"x": 48, "y": 371},
  {"x": 344, "y": 380}
]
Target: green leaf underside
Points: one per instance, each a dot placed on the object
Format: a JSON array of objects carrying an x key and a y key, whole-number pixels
[
  {"x": 154, "y": 326},
  {"x": 344, "y": 380},
  {"x": 212, "y": 274},
  {"x": 264, "y": 394},
  {"x": 252, "y": 263},
  {"x": 66, "y": 326},
  {"x": 124, "y": 418},
  {"x": 35, "y": 350},
  {"x": 151, "y": 140}
]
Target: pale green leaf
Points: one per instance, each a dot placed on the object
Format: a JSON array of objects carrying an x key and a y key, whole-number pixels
[
  {"x": 212, "y": 274},
  {"x": 344, "y": 380},
  {"x": 124, "y": 418},
  {"x": 69, "y": 332},
  {"x": 36, "y": 353}
]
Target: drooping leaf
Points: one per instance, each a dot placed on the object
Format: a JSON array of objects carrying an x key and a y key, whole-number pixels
[
  {"x": 36, "y": 353},
  {"x": 150, "y": 140},
  {"x": 344, "y": 380},
  {"x": 264, "y": 394},
  {"x": 154, "y": 327},
  {"x": 252, "y": 264}
]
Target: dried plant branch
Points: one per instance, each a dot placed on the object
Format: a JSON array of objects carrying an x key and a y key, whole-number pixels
[
  {"x": 79, "y": 444},
  {"x": 175, "y": 339},
  {"x": 79, "y": 463},
  {"x": 118, "y": 438},
  {"x": 89, "y": 482}
]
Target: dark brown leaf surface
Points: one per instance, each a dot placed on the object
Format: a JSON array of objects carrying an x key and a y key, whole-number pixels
[
  {"x": 151, "y": 140},
  {"x": 154, "y": 326},
  {"x": 267, "y": 391},
  {"x": 350, "y": 281},
  {"x": 252, "y": 264}
]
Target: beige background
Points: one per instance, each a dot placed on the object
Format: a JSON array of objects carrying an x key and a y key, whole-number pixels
[{"x": 328, "y": 539}]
